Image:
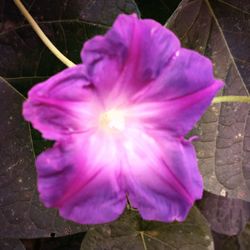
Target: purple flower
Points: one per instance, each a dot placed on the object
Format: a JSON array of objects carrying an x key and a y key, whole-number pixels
[{"x": 119, "y": 121}]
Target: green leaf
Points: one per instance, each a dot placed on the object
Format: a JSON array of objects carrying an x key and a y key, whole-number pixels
[
  {"x": 131, "y": 232},
  {"x": 219, "y": 30}
]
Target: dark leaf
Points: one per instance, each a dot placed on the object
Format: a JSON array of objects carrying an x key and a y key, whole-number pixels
[
  {"x": 131, "y": 232},
  {"x": 21, "y": 214},
  {"x": 225, "y": 242},
  {"x": 225, "y": 216},
  {"x": 244, "y": 238},
  {"x": 159, "y": 10},
  {"x": 220, "y": 30},
  {"x": 24, "y": 62},
  {"x": 238, "y": 242},
  {"x": 11, "y": 244}
]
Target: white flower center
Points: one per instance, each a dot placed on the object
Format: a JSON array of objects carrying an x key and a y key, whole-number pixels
[{"x": 113, "y": 119}]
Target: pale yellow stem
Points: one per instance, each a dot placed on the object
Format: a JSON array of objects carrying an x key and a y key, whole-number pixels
[
  {"x": 143, "y": 241},
  {"x": 231, "y": 98},
  {"x": 43, "y": 37}
]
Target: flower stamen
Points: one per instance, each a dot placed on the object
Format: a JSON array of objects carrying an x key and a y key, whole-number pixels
[{"x": 113, "y": 119}]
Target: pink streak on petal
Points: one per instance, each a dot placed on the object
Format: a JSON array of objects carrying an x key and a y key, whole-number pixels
[
  {"x": 177, "y": 116},
  {"x": 163, "y": 179},
  {"x": 84, "y": 186},
  {"x": 188, "y": 72},
  {"x": 64, "y": 104},
  {"x": 129, "y": 56}
]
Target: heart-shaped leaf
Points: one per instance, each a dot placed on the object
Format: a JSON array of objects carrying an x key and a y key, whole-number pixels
[
  {"x": 218, "y": 29},
  {"x": 131, "y": 232},
  {"x": 22, "y": 215}
]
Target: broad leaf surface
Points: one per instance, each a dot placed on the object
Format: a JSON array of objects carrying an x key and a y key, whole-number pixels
[
  {"x": 244, "y": 238},
  {"x": 237, "y": 242},
  {"x": 220, "y": 30},
  {"x": 225, "y": 216},
  {"x": 25, "y": 61},
  {"x": 11, "y": 244},
  {"x": 21, "y": 213},
  {"x": 131, "y": 232},
  {"x": 225, "y": 242}
]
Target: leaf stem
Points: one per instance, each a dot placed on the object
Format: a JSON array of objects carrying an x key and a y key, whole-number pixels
[
  {"x": 42, "y": 36},
  {"x": 231, "y": 98},
  {"x": 143, "y": 240}
]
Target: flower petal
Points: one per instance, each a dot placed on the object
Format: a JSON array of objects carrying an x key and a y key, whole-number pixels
[
  {"x": 163, "y": 179},
  {"x": 187, "y": 73},
  {"x": 85, "y": 187},
  {"x": 64, "y": 104},
  {"x": 129, "y": 56},
  {"x": 177, "y": 116}
]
